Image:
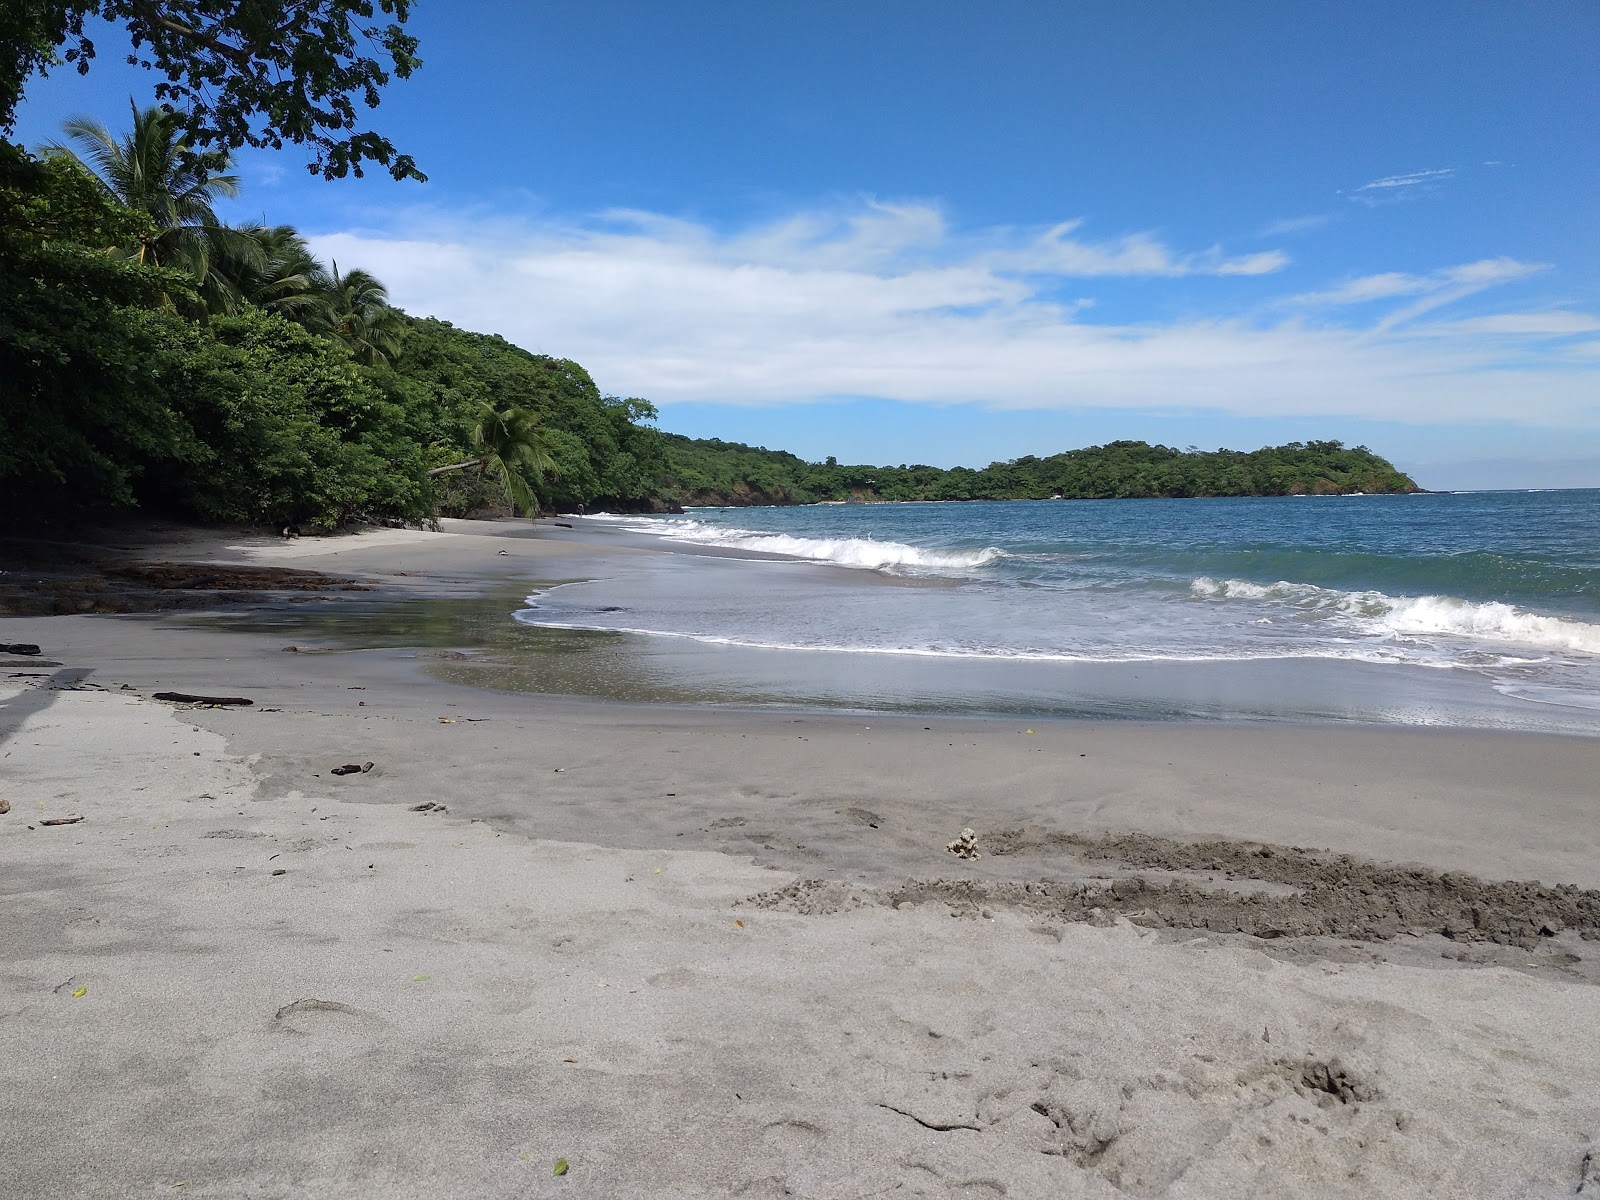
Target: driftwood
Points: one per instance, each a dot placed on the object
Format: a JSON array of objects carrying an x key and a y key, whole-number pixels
[
  {"x": 61, "y": 821},
  {"x": 25, "y": 648},
  {"x": 185, "y": 698},
  {"x": 460, "y": 466}
]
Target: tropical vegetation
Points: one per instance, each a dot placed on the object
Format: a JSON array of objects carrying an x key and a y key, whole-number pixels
[
  {"x": 726, "y": 473},
  {"x": 235, "y": 72},
  {"x": 155, "y": 356}
]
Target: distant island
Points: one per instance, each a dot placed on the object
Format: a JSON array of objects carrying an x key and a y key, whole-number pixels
[{"x": 711, "y": 472}]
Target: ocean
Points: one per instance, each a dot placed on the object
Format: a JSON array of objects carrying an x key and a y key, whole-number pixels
[{"x": 1473, "y": 609}]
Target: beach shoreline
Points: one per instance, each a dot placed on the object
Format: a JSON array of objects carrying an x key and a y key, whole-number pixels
[{"x": 565, "y": 957}]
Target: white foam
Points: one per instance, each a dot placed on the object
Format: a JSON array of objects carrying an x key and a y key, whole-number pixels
[
  {"x": 863, "y": 553},
  {"x": 1411, "y": 616},
  {"x": 531, "y": 616}
]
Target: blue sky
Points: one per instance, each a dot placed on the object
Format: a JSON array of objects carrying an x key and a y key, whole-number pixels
[{"x": 951, "y": 233}]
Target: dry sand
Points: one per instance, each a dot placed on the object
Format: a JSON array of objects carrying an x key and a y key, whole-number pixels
[{"x": 713, "y": 953}]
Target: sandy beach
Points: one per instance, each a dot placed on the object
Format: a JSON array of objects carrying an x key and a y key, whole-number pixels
[{"x": 723, "y": 951}]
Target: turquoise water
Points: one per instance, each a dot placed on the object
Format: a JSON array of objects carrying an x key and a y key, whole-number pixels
[{"x": 1503, "y": 588}]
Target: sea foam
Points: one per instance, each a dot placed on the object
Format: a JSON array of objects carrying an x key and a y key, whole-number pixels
[
  {"x": 1375, "y": 613},
  {"x": 865, "y": 553}
]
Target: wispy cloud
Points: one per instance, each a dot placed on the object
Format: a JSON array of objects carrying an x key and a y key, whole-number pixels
[
  {"x": 1290, "y": 226},
  {"x": 1401, "y": 187},
  {"x": 1435, "y": 289},
  {"x": 1057, "y": 251},
  {"x": 1548, "y": 323},
  {"x": 888, "y": 300}
]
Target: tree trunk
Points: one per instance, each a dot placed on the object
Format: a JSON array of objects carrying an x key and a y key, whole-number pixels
[{"x": 460, "y": 466}]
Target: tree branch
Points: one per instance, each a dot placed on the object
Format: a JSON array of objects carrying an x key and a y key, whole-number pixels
[{"x": 234, "y": 54}]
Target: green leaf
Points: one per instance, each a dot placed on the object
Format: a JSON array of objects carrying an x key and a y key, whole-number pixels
[{"x": 561, "y": 1167}]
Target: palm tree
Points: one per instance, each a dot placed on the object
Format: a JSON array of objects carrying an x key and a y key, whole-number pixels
[
  {"x": 356, "y": 310},
  {"x": 511, "y": 447},
  {"x": 280, "y": 275},
  {"x": 153, "y": 170}
]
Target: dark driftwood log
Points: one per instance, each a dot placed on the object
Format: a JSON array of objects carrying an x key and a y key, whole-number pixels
[
  {"x": 24, "y": 648},
  {"x": 185, "y": 698}
]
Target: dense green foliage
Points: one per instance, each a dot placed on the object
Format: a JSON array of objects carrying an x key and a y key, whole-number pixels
[
  {"x": 144, "y": 360},
  {"x": 237, "y": 72},
  {"x": 717, "y": 472}
]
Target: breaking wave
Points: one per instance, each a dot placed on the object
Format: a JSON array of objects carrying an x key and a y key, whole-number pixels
[
  {"x": 1374, "y": 613},
  {"x": 864, "y": 553}
]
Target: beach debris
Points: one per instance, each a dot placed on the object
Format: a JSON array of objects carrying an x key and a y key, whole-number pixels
[
  {"x": 421, "y": 978},
  {"x": 61, "y": 821},
  {"x": 965, "y": 846},
  {"x": 5, "y": 807},
  {"x": 561, "y": 1163},
  {"x": 428, "y": 806},
  {"x": 502, "y": 552},
  {"x": 79, "y": 993},
  {"x": 280, "y": 871},
  {"x": 353, "y": 769},
  {"x": 211, "y": 701},
  {"x": 447, "y": 720},
  {"x": 1589, "y": 1172},
  {"x": 23, "y": 648}
]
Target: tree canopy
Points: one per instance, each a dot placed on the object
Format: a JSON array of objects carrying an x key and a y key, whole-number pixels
[
  {"x": 305, "y": 398},
  {"x": 238, "y": 72},
  {"x": 716, "y": 472}
]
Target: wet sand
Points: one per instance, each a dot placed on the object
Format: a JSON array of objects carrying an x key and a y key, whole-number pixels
[{"x": 712, "y": 950}]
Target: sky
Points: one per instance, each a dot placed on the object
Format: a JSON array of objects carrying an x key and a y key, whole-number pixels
[{"x": 954, "y": 233}]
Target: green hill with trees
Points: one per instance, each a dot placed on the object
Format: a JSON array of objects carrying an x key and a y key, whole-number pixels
[
  {"x": 154, "y": 356},
  {"x": 713, "y": 472}
]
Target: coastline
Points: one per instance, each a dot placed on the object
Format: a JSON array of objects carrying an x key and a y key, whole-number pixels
[{"x": 567, "y": 963}]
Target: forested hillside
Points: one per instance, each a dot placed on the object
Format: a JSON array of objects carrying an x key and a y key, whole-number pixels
[
  {"x": 151, "y": 356},
  {"x": 727, "y": 473}
]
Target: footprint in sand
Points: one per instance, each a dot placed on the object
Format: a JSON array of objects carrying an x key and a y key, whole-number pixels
[{"x": 322, "y": 1016}]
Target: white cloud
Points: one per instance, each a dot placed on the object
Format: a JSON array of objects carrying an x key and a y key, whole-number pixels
[
  {"x": 1058, "y": 252},
  {"x": 1400, "y": 187},
  {"x": 1412, "y": 179},
  {"x": 1289, "y": 226},
  {"x": 1549, "y": 323},
  {"x": 888, "y": 301},
  {"x": 1435, "y": 289}
]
